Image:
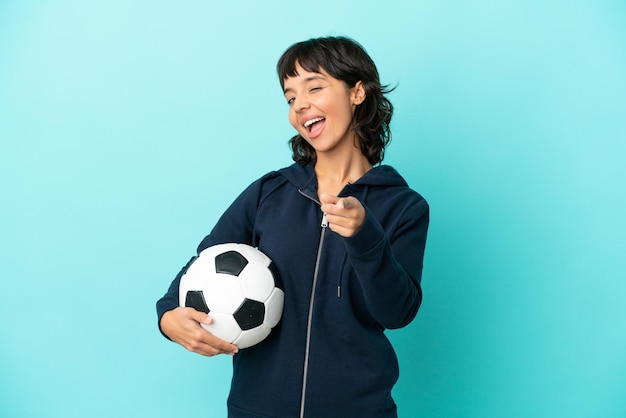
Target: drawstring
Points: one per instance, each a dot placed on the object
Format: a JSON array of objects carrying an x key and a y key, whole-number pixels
[{"x": 343, "y": 266}]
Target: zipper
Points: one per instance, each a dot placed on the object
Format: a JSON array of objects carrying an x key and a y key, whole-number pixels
[{"x": 323, "y": 225}]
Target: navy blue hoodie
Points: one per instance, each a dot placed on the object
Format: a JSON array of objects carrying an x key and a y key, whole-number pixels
[{"x": 328, "y": 357}]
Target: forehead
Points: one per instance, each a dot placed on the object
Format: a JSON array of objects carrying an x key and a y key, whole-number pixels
[{"x": 303, "y": 76}]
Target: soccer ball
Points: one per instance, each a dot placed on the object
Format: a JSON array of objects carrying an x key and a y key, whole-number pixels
[{"x": 239, "y": 287}]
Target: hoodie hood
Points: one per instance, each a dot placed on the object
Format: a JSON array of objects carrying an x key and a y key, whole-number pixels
[{"x": 303, "y": 177}]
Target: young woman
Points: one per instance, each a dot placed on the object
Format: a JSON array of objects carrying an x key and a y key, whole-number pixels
[{"x": 347, "y": 236}]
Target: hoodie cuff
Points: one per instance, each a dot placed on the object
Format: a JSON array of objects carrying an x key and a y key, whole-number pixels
[
  {"x": 162, "y": 307},
  {"x": 369, "y": 236}
]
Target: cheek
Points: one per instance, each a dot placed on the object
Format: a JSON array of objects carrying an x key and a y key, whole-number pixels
[
  {"x": 293, "y": 120},
  {"x": 340, "y": 109}
]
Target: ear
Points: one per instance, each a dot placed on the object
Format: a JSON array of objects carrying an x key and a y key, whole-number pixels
[{"x": 357, "y": 93}]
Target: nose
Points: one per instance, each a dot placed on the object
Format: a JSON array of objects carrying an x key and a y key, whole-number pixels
[{"x": 300, "y": 104}]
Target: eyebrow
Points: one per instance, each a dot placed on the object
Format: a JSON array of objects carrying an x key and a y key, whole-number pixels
[{"x": 306, "y": 80}]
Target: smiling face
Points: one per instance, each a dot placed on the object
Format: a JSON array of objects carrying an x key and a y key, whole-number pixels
[{"x": 321, "y": 108}]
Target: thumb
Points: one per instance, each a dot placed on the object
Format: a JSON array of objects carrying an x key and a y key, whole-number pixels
[
  {"x": 349, "y": 202},
  {"x": 201, "y": 317}
]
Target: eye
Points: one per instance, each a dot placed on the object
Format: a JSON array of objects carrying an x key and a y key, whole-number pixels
[
  {"x": 291, "y": 100},
  {"x": 315, "y": 89}
]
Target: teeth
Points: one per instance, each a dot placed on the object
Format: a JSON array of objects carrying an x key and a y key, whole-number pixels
[{"x": 311, "y": 122}]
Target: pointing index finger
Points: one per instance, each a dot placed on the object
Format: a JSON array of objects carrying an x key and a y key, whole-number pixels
[{"x": 327, "y": 198}]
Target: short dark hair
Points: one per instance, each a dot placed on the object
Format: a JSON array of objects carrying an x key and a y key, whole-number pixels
[{"x": 346, "y": 60}]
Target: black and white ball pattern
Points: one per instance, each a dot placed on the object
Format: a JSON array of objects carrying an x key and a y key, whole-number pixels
[{"x": 239, "y": 287}]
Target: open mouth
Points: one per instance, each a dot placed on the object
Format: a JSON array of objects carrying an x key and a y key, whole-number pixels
[{"x": 311, "y": 123}]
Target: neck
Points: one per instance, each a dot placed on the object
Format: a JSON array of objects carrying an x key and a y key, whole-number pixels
[{"x": 333, "y": 173}]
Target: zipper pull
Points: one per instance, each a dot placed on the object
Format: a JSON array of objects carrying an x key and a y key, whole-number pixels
[{"x": 324, "y": 221}]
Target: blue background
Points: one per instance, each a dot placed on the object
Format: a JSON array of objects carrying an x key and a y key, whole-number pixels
[{"x": 127, "y": 127}]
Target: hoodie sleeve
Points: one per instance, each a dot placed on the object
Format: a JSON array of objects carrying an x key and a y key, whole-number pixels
[
  {"x": 235, "y": 225},
  {"x": 389, "y": 264}
]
